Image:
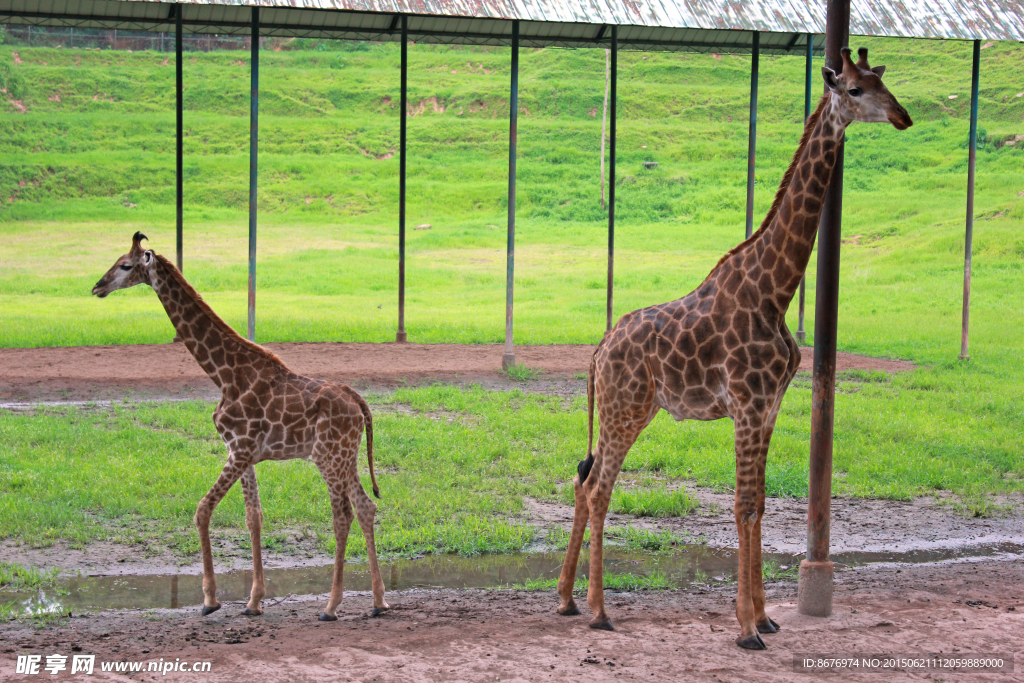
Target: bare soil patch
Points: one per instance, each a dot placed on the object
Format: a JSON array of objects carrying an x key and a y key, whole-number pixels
[
  {"x": 169, "y": 371},
  {"x": 491, "y": 636}
]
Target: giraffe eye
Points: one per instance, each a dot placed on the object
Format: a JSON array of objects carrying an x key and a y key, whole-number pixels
[
  {"x": 856, "y": 92},
  {"x": 126, "y": 267}
]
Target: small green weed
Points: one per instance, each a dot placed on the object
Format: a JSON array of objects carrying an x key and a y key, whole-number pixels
[
  {"x": 648, "y": 540},
  {"x": 616, "y": 582},
  {"x": 651, "y": 502},
  {"x": 522, "y": 373},
  {"x": 14, "y": 577},
  {"x": 773, "y": 571}
]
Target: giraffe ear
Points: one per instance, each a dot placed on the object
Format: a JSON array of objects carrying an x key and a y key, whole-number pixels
[
  {"x": 831, "y": 79},
  {"x": 147, "y": 257},
  {"x": 879, "y": 70}
]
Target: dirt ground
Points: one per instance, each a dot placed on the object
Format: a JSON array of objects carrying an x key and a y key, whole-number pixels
[
  {"x": 168, "y": 371},
  {"x": 477, "y": 636}
]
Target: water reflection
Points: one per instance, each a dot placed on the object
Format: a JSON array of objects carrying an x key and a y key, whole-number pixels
[{"x": 695, "y": 565}]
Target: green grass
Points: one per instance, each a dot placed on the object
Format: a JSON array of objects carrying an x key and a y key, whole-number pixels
[
  {"x": 135, "y": 474},
  {"x": 653, "y": 502},
  {"x": 628, "y": 582},
  {"x": 522, "y": 373},
  {"x": 14, "y": 577}
]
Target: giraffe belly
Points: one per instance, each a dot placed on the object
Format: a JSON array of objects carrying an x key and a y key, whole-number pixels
[{"x": 691, "y": 403}]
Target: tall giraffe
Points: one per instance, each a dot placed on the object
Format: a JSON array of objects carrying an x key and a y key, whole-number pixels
[
  {"x": 721, "y": 351},
  {"x": 266, "y": 412}
]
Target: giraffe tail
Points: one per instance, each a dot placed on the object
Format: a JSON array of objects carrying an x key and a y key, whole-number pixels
[
  {"x": 368, "y": 422},
  {"x": 584, "y": 467}
]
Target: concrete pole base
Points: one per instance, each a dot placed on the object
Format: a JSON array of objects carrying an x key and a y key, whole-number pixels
[
  {"x": 401, "y": 337},
  {"x": 801, "y": 335},
  {"x": 508, "y": 361},
  {"x": 814, "y": 590}
]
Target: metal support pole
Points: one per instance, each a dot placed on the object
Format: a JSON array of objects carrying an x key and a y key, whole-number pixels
[
  {"x": 611, "y": 172},
  {"x": 179, "y": 151},
  {"x": 973, "y": 150},
  {"x": 403, "y": 101},
  {"x": 814, "y": 595},
  {"x": 755, "y": 58},
  {"x": 254, "y": 99},
  {"x": 801, "y": 334},
  {"x": 508, "y": 359}
]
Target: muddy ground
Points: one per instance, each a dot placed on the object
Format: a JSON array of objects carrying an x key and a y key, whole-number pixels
[
  {"x": 168, "y": 371},
  {"x": 928, "y": 527},
  {"x": 478, "y": 636},
  {"x": 475, "y": 635}
]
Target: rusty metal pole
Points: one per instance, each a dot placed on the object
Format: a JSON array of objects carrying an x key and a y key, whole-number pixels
[
  {"x": 801, "y": 333},
  {"x": 508, "y": 359},
  {"x": 755, "y": 58},
  {"x": 403, "y": 100},
  {"x": 179, "y": 151},
  {"x": 613, "y": 107},
  {"x": 969, "y": 237},
  {"x": 254, "y": 99},
  {"x": 814, "y": 595}
]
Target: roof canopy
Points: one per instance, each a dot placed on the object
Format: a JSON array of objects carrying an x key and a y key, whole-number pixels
[{"x": 685, "y": 25}]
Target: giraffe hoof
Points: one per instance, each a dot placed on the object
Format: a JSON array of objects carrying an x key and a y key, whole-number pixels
[
  {"x": 211, "y": 609},
  {"x": 570, "y": 610},
  {"x": 327, "y": 617},
  {"x": 753, "y": 642},
  {"x": 605, "y": 625},
  {"x": 377, "y": 611},
  {"x": 769, "y": 627},
  {"x": 252, "y": 612}
]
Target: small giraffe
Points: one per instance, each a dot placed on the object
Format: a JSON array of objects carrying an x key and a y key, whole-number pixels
[
  {"x": 266, "y": 412},
  {"x": 721, "y": 351}
]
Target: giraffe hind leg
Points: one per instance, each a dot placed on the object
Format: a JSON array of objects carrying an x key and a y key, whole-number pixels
[
  {"x": 366, "y": 509},
  {"x": 567, "y": 606}
]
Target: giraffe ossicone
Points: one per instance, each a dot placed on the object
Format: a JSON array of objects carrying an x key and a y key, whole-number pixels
[
  {"x": 266, "y": 412},
  {"x": 723, "y": 350}
]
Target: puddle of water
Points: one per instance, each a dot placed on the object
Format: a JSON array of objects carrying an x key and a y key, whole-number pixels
[{"x": 693, "y": 566}]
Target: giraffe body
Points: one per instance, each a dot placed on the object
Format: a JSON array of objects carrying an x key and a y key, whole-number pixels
[
  {"x": 266, "y": 412},
  {"x": 723, "y": 350}
]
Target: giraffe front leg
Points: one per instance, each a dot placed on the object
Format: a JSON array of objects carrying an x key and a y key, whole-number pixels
[
  {"x": 254, "y": 521},
  {"x": 231, "y": 472},
  {"x": 567, "y": 579},
  {"x": 366, "y": 509},
  {"x": 342, "y": 509},
  {"x": 765, "y": 624},
  {"x": 748, "y": 444}
]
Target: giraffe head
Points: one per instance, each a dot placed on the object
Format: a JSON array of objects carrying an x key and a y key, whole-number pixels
[
  {"x": 127, "y": 271},
  {"x": 861, "y": 95}
]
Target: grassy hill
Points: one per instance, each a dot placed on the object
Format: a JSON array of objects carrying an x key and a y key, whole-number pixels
[{"x": 86, "y": 157}]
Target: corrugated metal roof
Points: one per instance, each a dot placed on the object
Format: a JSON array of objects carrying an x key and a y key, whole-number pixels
[{"x": 692, "y": 25}]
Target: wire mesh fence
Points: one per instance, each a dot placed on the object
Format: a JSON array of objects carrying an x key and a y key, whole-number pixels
[{"x": 115, "y": 39}]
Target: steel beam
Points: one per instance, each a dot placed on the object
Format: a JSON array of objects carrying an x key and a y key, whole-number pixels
[
  {"x": 254, "y": 100},
  {"x": 801, "y": 333},
  {"x": 969, "y": 236},
  {"x": 508, "y": 359},
  {"x": 613, "y": 110},
  {"x": 755, "y": 59},
  {"x": 403, "y": 103},
  {"x": 179, "y": 151},
  {"x": 814, "y": 596}
]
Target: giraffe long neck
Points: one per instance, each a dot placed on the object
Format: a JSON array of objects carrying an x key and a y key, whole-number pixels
[
  {"x": 231, "y": 361},
  {"x": 783, "y": 244}
]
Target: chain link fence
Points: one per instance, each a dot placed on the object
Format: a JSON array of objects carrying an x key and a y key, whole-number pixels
[{"x": 131, "y": 41}]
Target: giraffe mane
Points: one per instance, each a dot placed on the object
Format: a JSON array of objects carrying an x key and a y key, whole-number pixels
[
  {"x": 787, "y": 177},
  {"x": 226, "y": 329}
]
